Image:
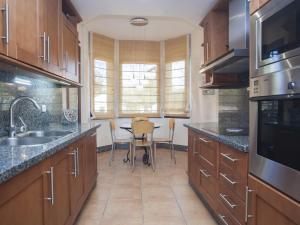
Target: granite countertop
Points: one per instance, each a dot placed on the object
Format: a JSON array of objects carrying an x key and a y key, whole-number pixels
[
  {"x": 210, "y": 130},
  {"x": 14, "y": 160}
]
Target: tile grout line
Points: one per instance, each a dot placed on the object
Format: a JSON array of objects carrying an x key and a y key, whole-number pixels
[{"x": 178, "y": 204}]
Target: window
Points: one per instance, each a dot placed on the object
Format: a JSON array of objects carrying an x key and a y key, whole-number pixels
[
  {"x": 139, "y": 78},
  {"x": 102, "y": 76},
  {"x": 176, "y": 96}
]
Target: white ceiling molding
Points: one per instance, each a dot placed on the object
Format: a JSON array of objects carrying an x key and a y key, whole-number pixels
[{"x": 167, "y": 18}]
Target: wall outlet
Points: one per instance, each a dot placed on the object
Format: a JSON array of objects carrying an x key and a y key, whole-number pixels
[{"x": 44, "y": 108}]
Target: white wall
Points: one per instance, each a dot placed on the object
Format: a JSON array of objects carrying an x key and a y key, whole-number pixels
[{"x": 204, "y": 108}]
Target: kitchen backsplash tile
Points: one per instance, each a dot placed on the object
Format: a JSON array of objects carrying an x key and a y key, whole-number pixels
[
  {"x": 14, "y": 84},
  {"x": 234, "y": 107}
]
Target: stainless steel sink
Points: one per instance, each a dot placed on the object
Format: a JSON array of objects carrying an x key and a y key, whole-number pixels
[
  {"x": 41, "y": 133},
  {"x": 28, "y": 141}
]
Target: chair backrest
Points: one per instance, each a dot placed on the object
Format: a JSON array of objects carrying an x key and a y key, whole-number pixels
[
  {"x": 112, "y": 129},
  {"x": 142, "y": 128},
  {"x": 171, "y": 128},
  {"x": 140, "y": 118}
]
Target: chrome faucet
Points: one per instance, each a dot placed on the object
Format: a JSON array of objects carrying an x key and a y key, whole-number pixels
[{"x": 12, "y": 126}]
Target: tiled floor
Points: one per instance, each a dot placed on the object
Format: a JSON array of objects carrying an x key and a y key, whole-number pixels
[{"x": 143, "y": 197}]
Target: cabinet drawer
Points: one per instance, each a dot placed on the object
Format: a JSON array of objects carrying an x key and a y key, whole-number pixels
[
  {"x": 205, "y": 141},
  {"x": 232, "y": 202},
  {"x": 234, "y": 160},
  {"x": 233, "y": 181},
  {"x": 208, "y": 182},
  {"x": 225, "y": 217},
  {"x": 208, "y": 153}
]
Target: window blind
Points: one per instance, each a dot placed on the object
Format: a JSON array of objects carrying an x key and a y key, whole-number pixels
[
  {"x": 139, "y": 78},
  {"x": 176, "y": 79},
  {"x": 102, "y": 82}
]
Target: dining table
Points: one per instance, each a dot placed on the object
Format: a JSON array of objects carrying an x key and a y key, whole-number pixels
[{"x": 127, "y": 127}]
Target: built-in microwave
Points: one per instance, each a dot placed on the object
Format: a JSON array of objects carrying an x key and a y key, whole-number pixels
[{"x": 275, "y": 37}]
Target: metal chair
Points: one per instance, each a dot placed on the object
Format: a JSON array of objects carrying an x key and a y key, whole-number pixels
[
  {"x": 168, "y": 140},
  {"x": 142, "y": 128},
  {"x": 116, "y": 140}
]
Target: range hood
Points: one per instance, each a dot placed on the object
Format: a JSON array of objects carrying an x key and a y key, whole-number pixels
[{"x": 236, "y": 60}]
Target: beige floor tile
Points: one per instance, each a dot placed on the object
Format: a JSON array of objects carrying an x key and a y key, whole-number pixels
[
  {"x": 164, "y": 221},
  {"x": 144, "y": 197},
  {"x": 157, "y": 193},
  {"x": 131, "y": 208},
  {"x": 124, "y": 192}
]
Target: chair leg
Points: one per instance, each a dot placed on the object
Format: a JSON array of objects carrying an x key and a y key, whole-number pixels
[
  {"x": 133, "y": 157},
  {"x": 112, "y": 153},
  {"x": 130, "y": 152},
  {"x": 170, "y": 147},
  {"x": 152, "y": 158},
  {"x": 154, "y": 153},
  {"x": 173, "y": 150}
]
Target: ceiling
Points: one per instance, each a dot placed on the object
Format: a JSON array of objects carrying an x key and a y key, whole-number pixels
[{"x": 167, "y": 18}]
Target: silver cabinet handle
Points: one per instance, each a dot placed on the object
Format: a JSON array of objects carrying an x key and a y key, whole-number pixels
[
  {"x": 43, "y": 36},
  {"x": 67, "y": 62},
  {"x": 204, "y": 140},
  {"x": 227, "y": 156},
  {"x": 223, "y": 197},
  {"x": 207, "y": 161},
  {"x": 227, "y": 179},
  {"x": 48, "y": 49},
  {"x": 77, "y": 160},
  {"x": 94, "y": 134},
  {"x": 194, "y": 152},
  {"x": 247, "y": 202},
  {"x": 5, "y": 10},
  {"x": 204, "y": 173},
  {"x": 74, "y": 154},
  {"x": 51, "y": 172},
  {"x": 222, "y": 218}
]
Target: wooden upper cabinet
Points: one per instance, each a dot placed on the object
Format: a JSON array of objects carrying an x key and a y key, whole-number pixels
[
  {"x": 53, "y": 31},
  {"x": 215, "y": 27},
  {"x": 25, "y": 35},
  {"x": 70, "y": 51},
  {"x": 254, "y": 5},
  {"x": 268, "y": 206}
]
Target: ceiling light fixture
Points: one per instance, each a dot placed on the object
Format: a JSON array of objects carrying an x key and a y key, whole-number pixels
[{"x": 139, "y": 21}]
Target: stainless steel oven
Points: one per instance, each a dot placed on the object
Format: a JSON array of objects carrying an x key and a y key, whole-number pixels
[
  {"x": 275, "y": 37},
  {"x": 275, "y": 130}
]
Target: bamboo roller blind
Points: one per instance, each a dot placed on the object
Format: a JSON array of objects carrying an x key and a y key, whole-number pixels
[
  {"x": 102, "y": 82},
  {"x": 176, "y": 77},
  {"x": 139, "y": 78}
]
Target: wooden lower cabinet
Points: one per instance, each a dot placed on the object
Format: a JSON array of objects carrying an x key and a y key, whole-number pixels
[
  {"x": 269, "y": 206},
  {"x": 57, "y": 189},
  {"x": 76, "y": 152},
  {"x": 49, "y": 193}
]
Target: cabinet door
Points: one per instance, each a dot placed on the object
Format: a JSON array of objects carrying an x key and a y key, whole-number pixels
[
  {"x": 4, "y": 29},
  {"x": 76, "y": 174},
  {"x": 268, "y": 206},
  {"x": 58, "y": 210},
  {"x": 253, "y": 6},
  {"x": 90, "y": 170},
  {"x": 27, "y": 206},
  {"x": 26, "y": 34},
  {"x": 70, "y": 48},
  {"x": 207, "y": 52},
  {"x": 53, "y": 12}
]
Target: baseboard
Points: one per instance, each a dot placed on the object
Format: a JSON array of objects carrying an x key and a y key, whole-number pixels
[{"x": 126, "y": 147}]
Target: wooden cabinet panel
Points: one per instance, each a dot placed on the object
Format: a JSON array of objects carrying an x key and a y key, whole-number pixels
[
  {"x": 90, "y": 170},
  {"x": 76, "y": 174},
  {"x": 233, "y": 169},
  {"x": 254, "y": 5},
  {"x": 70, "y": 51},
  {"x": 269, "y": 206},
  {"x": 53, "y": 18},
  {"x": 58, "y": 213},
  {"x": 26, "y": 34},
  {"x": 232, "y": 202},
  {"x": 23, "y": 197},
  {"x": 225, "y": 217},
  {"x": 4, "y": 26}
]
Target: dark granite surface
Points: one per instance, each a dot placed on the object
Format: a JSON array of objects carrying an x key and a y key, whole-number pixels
[
  {"x": 213, "y": 131},
  {"x": 14, "y": 160}
]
